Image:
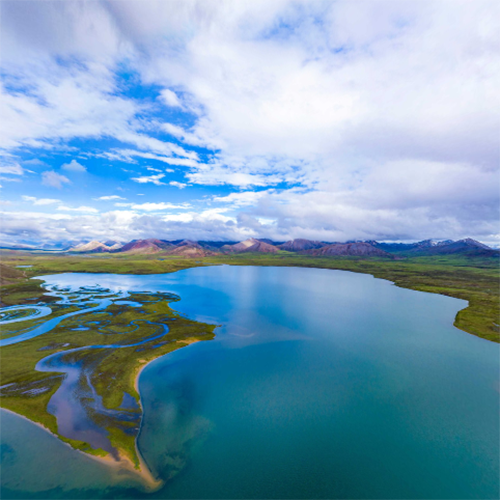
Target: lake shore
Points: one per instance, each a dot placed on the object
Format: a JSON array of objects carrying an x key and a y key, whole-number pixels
[
  {"x": 474, "y": 280},
  {"x": 144, "y": 475}
]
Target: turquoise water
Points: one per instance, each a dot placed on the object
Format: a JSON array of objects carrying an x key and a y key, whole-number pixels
[{"x": 319, "y": 384}]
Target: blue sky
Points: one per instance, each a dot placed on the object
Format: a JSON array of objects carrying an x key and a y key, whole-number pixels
[{"x": 224, "y": 120}]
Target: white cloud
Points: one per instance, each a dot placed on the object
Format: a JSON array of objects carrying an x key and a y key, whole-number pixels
[
  {"x": 40, "y": 201},
  {"x": 120, "y": 224},
  {"x": 9, "y": 179},
  {"x": 365, "y": 104},
  {"x": 73, "y": 166},
  {"x": 242, "y": 199},
  {"x": 153, "y": 207},
  {"x": 170, "y": 98},
  {"x": 53, "y": 179},
  {"x": 109, "y": 198},
  {"x": 153, "y": 179},
  {"x": 179, "y": 185},
  {"x": 198, "y": 138},
  {"x": 78, "y": 209},
  {"x": 11, "y": 169},
  {"x": 128, "y": 155},
  {"x": 35, "y": 162}
]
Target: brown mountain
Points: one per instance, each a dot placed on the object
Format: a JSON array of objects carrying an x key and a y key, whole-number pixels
[
  {"x": 354, "y": 249},
  {"x": 250, "y": 245},
  {"x": 189, "y": 243},
  {"x": 239, "y": 247},
  {"x": 146, "y": 246},
  {"x": 299, "y": 245},
  {"x": 262, "y": 247},
  {"x": 191, "y": 251}
]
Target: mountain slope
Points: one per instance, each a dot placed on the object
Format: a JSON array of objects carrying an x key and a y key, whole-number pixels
[
  {"x": 352, "y": 249},
  {"x": 299, "y": 245},
  {"x": 250, "y": 245},
  {"x": 191, "y": 251},
  {"x": 146, "y": 246},
  {"x": 466, "y": 246}
]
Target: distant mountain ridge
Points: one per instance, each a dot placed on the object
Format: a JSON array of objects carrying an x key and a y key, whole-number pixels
[
  {"x": 466, "y": 246},
  {"x": 146, "y": 246},
  {"x": 195, "y": 249},
  {"x": 251, "y": 245},
  {"x": 358, "y": 249},
  {"x": 299, "y": 245}
]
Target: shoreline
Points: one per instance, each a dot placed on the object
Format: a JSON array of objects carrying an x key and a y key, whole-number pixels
[
  {"x": 145, "y": 363},
  {"x": 144, "y": 469},
  {"x": 147, "y": 479}
]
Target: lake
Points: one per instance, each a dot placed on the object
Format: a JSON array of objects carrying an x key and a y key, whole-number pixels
[{"x": 319, "y": 384}]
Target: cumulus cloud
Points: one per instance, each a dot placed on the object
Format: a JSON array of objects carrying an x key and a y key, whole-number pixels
[
  {"x": 78, "y": 209},
  {"x": 11, "y": 169},
  {"x": 153, "y": 207},
  {"x": 110, "y": 198},
  {"x": 153, "y": 179},
  {"x": 40, "y": 201},
  {"x": 120, "y": 224},
  {"x": 170, "y": 98},
  {"x": 309, "y": 216},
  {"x": 243, "y": 198},
  {"x": 338, "y": 120},
  {"x": 73, "y": 166},
  {"x": 53, "y": 179},
  {"x": 176, "y": 184}
]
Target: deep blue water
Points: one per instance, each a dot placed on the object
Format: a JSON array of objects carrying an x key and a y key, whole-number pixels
[{"x": 319, "y": 384}]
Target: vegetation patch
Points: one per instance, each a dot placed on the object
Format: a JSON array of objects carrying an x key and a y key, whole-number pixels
[{"x": 103, "y": 345}]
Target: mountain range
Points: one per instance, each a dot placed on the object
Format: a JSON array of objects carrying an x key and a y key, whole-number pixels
[{"x": 195, "y": 249}]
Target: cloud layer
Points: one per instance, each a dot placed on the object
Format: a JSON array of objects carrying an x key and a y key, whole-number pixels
[{"x": 330, "y": 120}]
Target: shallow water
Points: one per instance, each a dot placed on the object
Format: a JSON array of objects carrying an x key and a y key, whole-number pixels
[{"x": 319, "y": 384}]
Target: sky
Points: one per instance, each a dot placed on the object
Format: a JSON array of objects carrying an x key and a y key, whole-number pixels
[{"x": 222, "y": 120}]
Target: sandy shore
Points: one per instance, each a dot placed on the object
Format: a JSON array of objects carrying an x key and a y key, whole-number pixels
[
  {"x": 144, "y": 469},
  {"x": 143, "y": 473}
]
